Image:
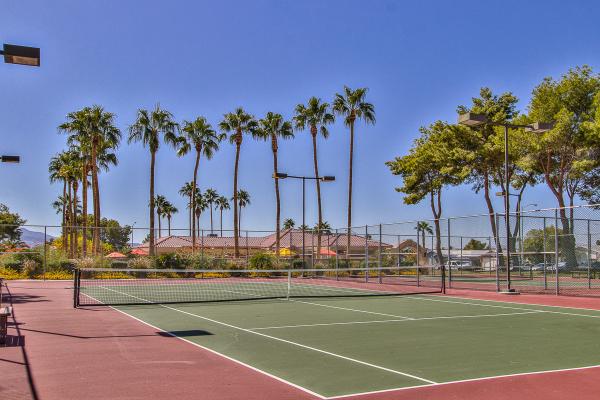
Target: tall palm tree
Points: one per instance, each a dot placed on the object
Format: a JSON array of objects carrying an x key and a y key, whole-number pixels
[
  {"x": 243, "y": 201},
  {"x": 200, "y": 136},
  {"x": 351, "y": 105},
  {"x": 288, "y": 223},
  {"x": 92, "y": 130},
  {"x": 422, "y": 228},
  {"x": 315, "y": 115},
  {"x": 65, "y": 166},
  {"x": 236, "y": 124},
  {"x": 169, "y": 209},
  {"x": 272, "y": 127},
  {"x": 148, "y": 129},
  {"x": 161, "y": 203},
  {"x": 57, "y": 172},
  {"x": 211, "y": 196},
  {"x": 223, "y": 204},
  {"x": 187, "y": 191}
]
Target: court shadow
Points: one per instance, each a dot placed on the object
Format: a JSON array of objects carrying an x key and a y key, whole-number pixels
[{"x": 187, "y": 333}]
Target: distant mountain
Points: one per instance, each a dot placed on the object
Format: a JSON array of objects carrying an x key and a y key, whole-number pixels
[{"x": 33, "y": 238}]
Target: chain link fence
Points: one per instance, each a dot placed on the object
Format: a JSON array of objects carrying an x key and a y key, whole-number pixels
[{"x": 553, "y": 251}]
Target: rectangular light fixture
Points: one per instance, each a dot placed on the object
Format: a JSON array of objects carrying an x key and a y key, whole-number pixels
[
  {"x": 540, "y": 127},
  {"x": 10, "y": 159},
  {"x": 472, "y": 119},
  {"x": 22, "y": 55}
]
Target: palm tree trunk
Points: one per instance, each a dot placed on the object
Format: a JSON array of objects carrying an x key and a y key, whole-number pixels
[
  {"x": 221, "y": 224},
  {"x": 151, "y": 239},
  {"x": 240, "y": 222},
  {"x": 211, "y": 217},
  {"x": 193, "y": 197},
  {"x": 169, "y": 222},
  {"x": 64, "y": 213},
  {"x": 72, "y": 222},
  {"x": 236, "y": 242},
  {"x": 350, "y": 187},
  {"x": 318, "y": 182},
  {"x": 159, "y": 227},
  {"x": 277, "y": 197},
  {"x": 96, "y": 194},
  {"x": 84, "y": 199}
]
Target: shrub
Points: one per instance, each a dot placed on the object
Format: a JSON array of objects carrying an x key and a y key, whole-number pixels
[
  {"x": 31, "y": 268},
  {"x": 262, "y": 261},
  {"x": 141, "y": 263},
  {"x": 9, "y": 274},
  {"x": 56, "y": 275}
]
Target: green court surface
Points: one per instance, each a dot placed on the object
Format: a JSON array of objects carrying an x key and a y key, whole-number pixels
[{"x": 339, "y": 346}]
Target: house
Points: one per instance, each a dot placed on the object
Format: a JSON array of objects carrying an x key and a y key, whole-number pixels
[{"x": 290, "y": 239}]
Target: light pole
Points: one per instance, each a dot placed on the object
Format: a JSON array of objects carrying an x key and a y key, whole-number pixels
[
  {"x": 281, "y": 175},
  {"x": 474, "y": 120}
]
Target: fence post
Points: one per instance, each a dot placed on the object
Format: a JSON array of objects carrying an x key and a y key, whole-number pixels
[
  {"x": 448, "y": 262},
  {"x": 497, "y": 253},
  {"x": 589, "y": 255},
  {"x": 366, "y": 253},
  {"x": 46, "y": 251},
  {"x": 544, "y": 250},
  {"x": 556, "y": 254},
  {"x": 247, "y": 251},
  {"x": 312, "y": 249},
  {"x": 418, "y": 256},
  {"x": 379, "y": 255},
  {"x": 461, "y": 253},
  {"x": 337, "y": 248}
]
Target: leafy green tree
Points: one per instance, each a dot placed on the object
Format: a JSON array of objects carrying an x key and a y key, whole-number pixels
[
  {"x": 114, "y": 234},
  {"x": 538, "y": 241},
  {"x": 315, "y": 116},
  {"x": 201, "y": 137},
  {"x": 564, "y": 155},
  {"x": 10, "y": 224},
  {"x": 148, "y": 128},
  {"x": 351, "y": 105},
  {"x": 237, "y": 124},
  {"x": 434, "y": 162},
  {"x": 485, "y": 146},
  {"x": 222, "y": 203},
  {"x": 271, "y": 128},
  {"x": 288, "y": 223},
  {"x": 475, "y": 244}
]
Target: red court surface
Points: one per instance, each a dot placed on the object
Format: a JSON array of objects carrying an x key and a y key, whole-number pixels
[{"x": 57, "y": 352}]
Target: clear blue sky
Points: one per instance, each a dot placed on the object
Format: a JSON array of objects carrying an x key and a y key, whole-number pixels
[{"x": 418, "y": 59}]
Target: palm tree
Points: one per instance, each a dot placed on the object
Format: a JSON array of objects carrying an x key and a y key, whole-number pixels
[
  {"x": 161, "y": 203},
  {"x": 315, "y": 116},
  {"x": 200, "y": 136},
  {"x": 148, "y": 129},
  {"x": 93, "y": 131},
  {"x": 288, "y": 223},
  {"x": 169, "y": 209},
  {"x": 187, "y": 191},
  {"x": 211, "y": 196},
  {"x": 323, "y": 227},
  {"x": 223, "y": 204},
  {"x": 273, "y": 127},
  {"x": 57, "y": 171},
  {"x": 423, "y": 227},
  {"x": 201, "y": 206},
  {"x": 304, "y": 227},
  {"x": 243, "y": 201},
  {"x": 237, "y": 123},
  {"x": 352, "y": 105}
]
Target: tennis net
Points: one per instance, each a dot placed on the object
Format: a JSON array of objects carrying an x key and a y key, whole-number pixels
[{"x": 108, "y": 286}]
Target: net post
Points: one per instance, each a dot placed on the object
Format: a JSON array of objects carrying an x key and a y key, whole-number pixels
[
  {"x": 289, "y": 283},
  {"x": 76, "y": 286},
  {"x": 556, "y": 253},
  {"x": 379, "y": 260},
  {"x": 366, "y": 253}
]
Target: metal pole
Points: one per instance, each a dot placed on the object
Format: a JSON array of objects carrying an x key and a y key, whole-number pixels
[
  {"x": 398, "y": 253},
  {"x": 461, "y": 254},
  {"x": 247, "y": 251},
  {"x": 497, "y": 252},
  {"x": 367, "y": 253},
  {"x": 337, "y": 248},
  {"x": 312, "y": 248},
  {"x": 303, "y": 221},
  {"x": 379, "y": 255},
  {"x": 544, "y": 250},
  {"x": 448, "y": 262},
  {"x": 589, "y": 255},
  {"x": 201, "y": 243},
  {"x": 418, "y": 255},
  {"x": 556, "y": 249},
  {"x": 45, "y": 252},
  {"x": 507, "y": 207}
]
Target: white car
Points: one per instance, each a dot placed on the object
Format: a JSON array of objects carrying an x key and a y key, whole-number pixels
[{"x": 459, "y": 264}]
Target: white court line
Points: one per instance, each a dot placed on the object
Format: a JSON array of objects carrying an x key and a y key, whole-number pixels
[
  {"x": 507, "y": 307},
  {"x": 486, "y": 378},
  {"x": 515, "y": 302},
  {"x": 288, "y": 341},
  {"x": 394, "y": 320},
  {"x": 349, "y": 309}
]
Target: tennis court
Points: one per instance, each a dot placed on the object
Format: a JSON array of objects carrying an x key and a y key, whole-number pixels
[{"x": 354, "y": 334}]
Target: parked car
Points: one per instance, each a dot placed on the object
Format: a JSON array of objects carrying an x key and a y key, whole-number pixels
[
  {"x": 460, "y": 265},
  {"x": 550, "y": 266}
]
